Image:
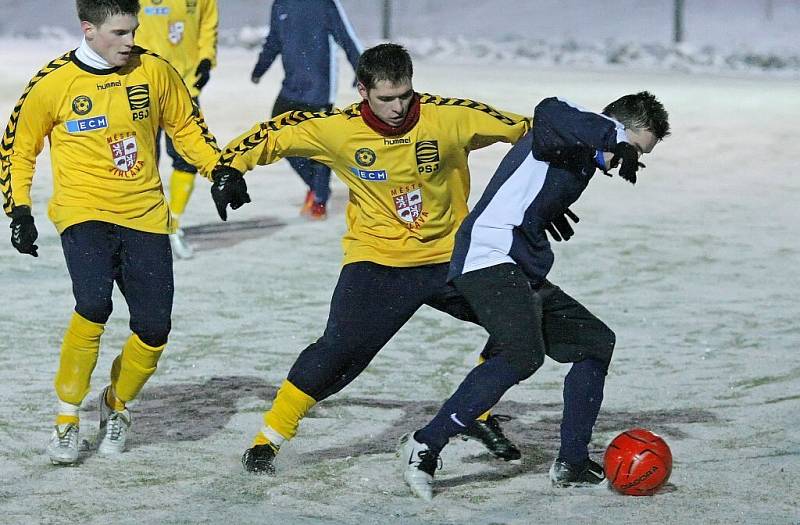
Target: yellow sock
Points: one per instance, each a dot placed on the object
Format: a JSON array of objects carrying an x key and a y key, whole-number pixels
[
  {"x": 290, "y": 406},
  {"x": 62, "y": 419},
  {"x": 112, "y": 402},
  {"x": 133, "y": 367},
  {"x": 78, "y": 358},
  {"x": 181, "y": 185}
]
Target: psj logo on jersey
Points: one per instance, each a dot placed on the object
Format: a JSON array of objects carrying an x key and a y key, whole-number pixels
[
  {"x": 125, "y": 153},
  {"x": 408, "y": 204},
  {"x": 139, "y": 101},
  {"x": 427, "y": 152}
]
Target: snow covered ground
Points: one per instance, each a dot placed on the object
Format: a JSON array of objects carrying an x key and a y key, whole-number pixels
[{"x": 695, "y": 268}]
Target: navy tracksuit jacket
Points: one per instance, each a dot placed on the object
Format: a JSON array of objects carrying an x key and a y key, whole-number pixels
[
  {"x": 544, "y": 173},
  {"x": 304, "y": 32}
]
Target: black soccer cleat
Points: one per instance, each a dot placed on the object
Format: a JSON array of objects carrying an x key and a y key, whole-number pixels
[
  {"x": 563, "y": 474},
  {"x": 259, "y": 460},
  {"x": 491, "y": 435}
]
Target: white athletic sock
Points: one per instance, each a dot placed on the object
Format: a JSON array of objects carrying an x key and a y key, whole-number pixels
[{"x": 273, "y": 436}]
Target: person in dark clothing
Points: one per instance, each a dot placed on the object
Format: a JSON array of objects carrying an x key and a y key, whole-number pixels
[
  {"x": 303, "y": 32},
  {"x": 500, "y": 264}
]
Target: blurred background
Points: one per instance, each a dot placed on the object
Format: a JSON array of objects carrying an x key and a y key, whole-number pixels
[
  {"x": 762, "y": 24},
  {"x": 765, "y": 30}
]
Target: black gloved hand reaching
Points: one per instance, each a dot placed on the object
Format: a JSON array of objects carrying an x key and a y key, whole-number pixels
[
  {"x": 560, "y": 228},
  {"x": 627, "y": 157},
  {"x": 229, "y": 188},
  {"x": 23, "y": 231},
  {"x": 203, "y": 73}
]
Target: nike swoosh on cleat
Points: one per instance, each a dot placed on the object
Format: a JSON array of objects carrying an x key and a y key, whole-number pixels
[{"x": 457, "y": 422}]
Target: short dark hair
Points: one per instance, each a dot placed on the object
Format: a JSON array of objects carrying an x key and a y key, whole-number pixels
[
  {"x": 640, "y": 111},
  {"x": 98, "y": 11},
  {"x": 384, "y": 62}
]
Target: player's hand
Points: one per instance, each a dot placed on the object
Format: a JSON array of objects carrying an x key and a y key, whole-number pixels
[
  {"x": 229, "y": 188},
  {"x": 23, "y": 231},
  {"x": 560, "y": 228},
  {"x": 255, "y": 79},
  {"x": 627, "y": 157},
  {"x": 203, "y": 73}
]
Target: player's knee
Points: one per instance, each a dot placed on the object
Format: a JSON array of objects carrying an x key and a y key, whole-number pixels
[
  {"x": 604, "y": 343},
  {"x": 526, "y": 362},
  {"x": 152, "y": 332},
  {"x": 93, "y": 308}
]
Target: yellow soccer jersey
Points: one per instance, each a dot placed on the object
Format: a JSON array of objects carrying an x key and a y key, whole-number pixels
[
  {"x": 408, "y": 194},
  {"x": 102, "y": 126},
  {"x": 184, "y": 32}
]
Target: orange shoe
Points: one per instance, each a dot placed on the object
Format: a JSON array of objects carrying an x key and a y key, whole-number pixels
[
  {"x": 307, "y": 204},
  {"x": 318, "y": 212}
]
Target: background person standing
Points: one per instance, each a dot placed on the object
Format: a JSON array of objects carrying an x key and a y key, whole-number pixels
[
  {"x": 183, "y": 32},
  {"x": 304, "y": 32}
]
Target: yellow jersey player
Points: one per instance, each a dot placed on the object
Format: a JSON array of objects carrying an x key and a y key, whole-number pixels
[
  {"x": 184, "y": 32},
  {"x": 404, "y": 158},
  {"x": 101, "y": 106}
]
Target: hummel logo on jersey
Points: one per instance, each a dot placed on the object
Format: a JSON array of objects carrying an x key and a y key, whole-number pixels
[
  {"x": 86, "y": 124},
  {"x": 393, "y": 142}
]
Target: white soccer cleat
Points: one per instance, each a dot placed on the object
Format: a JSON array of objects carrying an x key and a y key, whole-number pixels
[
  {"x": 180, "y": 250},
  {"x": 114, "y": 428},
  {"x": 418, "y": 464},
  {"x": 63, "y": 445}
]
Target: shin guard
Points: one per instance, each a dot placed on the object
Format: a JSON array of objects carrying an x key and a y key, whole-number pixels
[
  {"x": 78, "y": 358},
  {"x": 181, "y": 185},
  {"x": 133, "y": 367},
  {"x": 290, "y": 406}
]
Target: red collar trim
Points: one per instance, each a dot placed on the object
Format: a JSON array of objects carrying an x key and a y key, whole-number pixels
[{"x": 385, "y": 129}]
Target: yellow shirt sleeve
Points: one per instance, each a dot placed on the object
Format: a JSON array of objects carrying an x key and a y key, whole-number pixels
[
  {"x": 31, "y": 121},
  {"x": 182, "y": 119},
  {"x": 292, "y": 134},
  {"x": 207, "y": 33}
]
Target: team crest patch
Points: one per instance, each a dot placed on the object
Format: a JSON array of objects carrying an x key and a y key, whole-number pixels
[
  {"x": 125, "y": 152},
  {"x": 138, "y": 97},
  {"x": 82, "y": 105},
  {"x": 175, "y": 32},
  {"x": 427, "y": 151},
  {"x": 409, "y": 205},
  {"x": 365, "y": 157}
]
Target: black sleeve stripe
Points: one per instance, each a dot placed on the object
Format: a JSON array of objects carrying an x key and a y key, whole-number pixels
[
  {"x": 293, "y": 118},
  {"x": 426, "y": 98},
  {"x": 197, "y": 117},
  {"x": 7, "y": 146}
]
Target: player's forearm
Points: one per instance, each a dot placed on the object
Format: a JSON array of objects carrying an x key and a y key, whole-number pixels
[
  {"x": 246, "y": 151},
  {"x": 16, "y": 180}
]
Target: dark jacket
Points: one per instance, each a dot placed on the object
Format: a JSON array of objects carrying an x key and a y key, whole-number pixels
[{"x": 303, "y": 32}]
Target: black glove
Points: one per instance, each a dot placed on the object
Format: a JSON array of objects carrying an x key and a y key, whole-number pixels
[
  {"x": 229, "y": 188},
  {"x": 23, "y": 231},
  {"x": 203, "y": 73},
  {"x": 560, "y": 227},
  {"x": 628, "y": 155},
  {"x": 255, "y": 79}
]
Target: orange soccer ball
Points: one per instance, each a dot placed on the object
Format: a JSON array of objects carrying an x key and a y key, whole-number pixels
[{"x": 638, "y": 462}]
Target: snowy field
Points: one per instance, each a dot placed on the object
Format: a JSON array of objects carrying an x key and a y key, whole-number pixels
[{"x": 696, "y": 269}]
